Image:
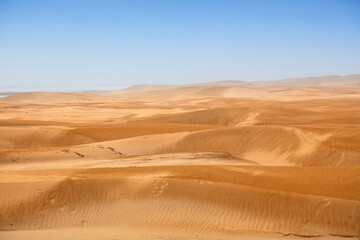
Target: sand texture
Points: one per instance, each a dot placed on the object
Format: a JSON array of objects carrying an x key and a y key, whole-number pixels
[{"x": 217, "y": 160}]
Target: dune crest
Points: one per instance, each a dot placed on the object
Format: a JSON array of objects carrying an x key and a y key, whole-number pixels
[{"x": 217, "y": 160}]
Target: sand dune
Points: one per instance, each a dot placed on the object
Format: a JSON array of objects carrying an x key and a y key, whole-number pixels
[
  {"x": 148, "y": 87},
  {"x": 288, "y": 89},
  {"x": 218, "y": 160},
  {"x": 27, "y": 137},
  {"x": 111, "y": 131},
  {"x": 158, "y": 198},
  {"x": 328, "y": 81},
  {"x": 49, "y": 97},
  {"x": 214, "y": 116},
  {"x": 269, "y": 146},
  {"x": 266, "y": 145}
]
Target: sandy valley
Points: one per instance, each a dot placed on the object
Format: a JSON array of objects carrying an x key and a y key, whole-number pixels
[{"x": 218, "y": 160}]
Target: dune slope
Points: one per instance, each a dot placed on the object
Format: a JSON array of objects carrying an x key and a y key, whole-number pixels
[{"x": 218, "y": 160}]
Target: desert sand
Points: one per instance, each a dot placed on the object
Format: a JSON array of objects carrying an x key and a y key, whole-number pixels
[{"x": 217, "y": 160}]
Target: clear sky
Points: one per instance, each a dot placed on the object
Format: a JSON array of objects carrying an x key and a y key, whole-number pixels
[{"x": 115, "y": 43}]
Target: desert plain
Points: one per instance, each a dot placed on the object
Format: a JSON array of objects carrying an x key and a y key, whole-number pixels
[{"x": 217, "y": 160}]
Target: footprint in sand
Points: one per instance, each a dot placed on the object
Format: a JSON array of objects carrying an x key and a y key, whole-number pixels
[{"x": 159, "y": 187}]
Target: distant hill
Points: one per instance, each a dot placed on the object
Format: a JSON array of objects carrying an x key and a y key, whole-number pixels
[
  {"x": 49, "y": 97},
  {"x": 340, "y": 86},
  {"x": 326, "y": 81},
  {"x": 149, "y": 87}
]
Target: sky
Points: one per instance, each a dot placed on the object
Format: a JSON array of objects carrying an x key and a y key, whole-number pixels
[{"x": 111, "y": 44}]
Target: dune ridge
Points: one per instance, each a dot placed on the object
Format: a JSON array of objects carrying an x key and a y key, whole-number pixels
[
  {"x": 157, "y": 198},
  {"x": 218, "y": 160}
]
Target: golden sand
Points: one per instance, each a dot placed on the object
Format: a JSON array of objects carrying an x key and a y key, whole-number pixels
[{"x": 222, "y": 160}]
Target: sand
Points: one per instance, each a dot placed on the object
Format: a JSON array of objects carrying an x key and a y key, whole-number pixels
[{"x": 218, "y": 160}]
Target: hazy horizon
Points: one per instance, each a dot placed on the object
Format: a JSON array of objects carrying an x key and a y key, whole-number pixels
[
  {"x": 107, "y": 88},
  {"x": 91, "y": 44}
]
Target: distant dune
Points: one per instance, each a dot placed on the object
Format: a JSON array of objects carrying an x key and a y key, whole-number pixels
[
  {"x": 328, "y": 81},
  {"x": 48, "y": 97},
  {"x": 307, "y": 88},
  {"x": 149, "y": 87},
  {"x": 217, "y": 160}
]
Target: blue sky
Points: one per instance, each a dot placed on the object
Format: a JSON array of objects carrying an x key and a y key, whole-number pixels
[{"x": 119, "y": 43}]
